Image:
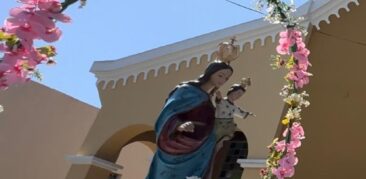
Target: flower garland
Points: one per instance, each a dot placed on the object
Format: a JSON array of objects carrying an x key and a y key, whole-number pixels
[
  {"x": 292, "y": 55},
  {"x": 33, "y": 20}
]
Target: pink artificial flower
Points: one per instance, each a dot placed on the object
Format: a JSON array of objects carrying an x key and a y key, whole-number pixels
[
  {"x": 297, "y": 131},
  {"x": 36, "y": 24},
  {"x": 35, "y": 57},
  {"x": 29, "y": 2},
  {"x": 290, "y": 33},
  {"x": 4, "y": 68},
  {"x": 263, "y": 172},
  {"x": 295, "y": 35},
  {"x": 293, "y": 145},
  {"x": 303, "y": 79},
  {"x": 303, "y": 64},
  {"x": 300, "y": 77},
  {"x": 282, "y": 172},
  {"x": 42, "y": 20},
  {"x": 20, "y": 12},
  {"x": 283, "y": 46},
  {"x": 280, "y": 146},
  {"x": 289, "y": 161},
  {"x": 53, "y": 15},
  {"x": 16, "y": 74},
  {"x": 12, "y": 58},
  {"x": 284, "y": 34},
  {"x": 2, "y": 47},
  {"x": 284, "y": 43},
  {"x": 16, "y": 77},
  {"x": 286, "y": 166},
  {"x": 35, "y": 19},
  {"x": 26, "y": 34},
  {"x": 50, "y": 5},
  {"x": 51, "y": 35},
  {"x": 12, "y": 24},
  {"x": 297, "y": 134},
  {"x": 20, "y": 24},
  {"x": 302, "y": 53},
  {"x": 39, "y": 2},
  {"x": 288, "y": 38}
]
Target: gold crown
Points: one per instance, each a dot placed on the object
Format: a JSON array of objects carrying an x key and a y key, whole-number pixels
[
  {"x": 228, "y": 52},
  {"x": 245, "y": 82}
]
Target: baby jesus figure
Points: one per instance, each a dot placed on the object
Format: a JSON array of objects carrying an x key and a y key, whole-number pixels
[{"x": 226, "y": 109}]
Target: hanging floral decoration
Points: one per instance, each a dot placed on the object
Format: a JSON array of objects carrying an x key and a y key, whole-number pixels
[
  {"x": 293, "y": 56},
  {"x": 32, "y": 20}
]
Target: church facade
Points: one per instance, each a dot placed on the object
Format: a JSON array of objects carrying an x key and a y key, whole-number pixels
[
  {"x": 119, "y": 140},
  {"x": 133, "y": 90}
]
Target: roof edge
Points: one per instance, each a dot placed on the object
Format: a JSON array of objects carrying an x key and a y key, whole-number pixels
[{"x": 313, "y": 11}]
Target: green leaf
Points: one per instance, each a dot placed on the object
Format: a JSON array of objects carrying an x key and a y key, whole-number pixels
[
  {"x": 290, "y": 62},
  {"x": 37, "y": 74},
  {"x": 12, "y": 40},
  {"x": 294, "y": 48},
  {"x": 49, "y": 51}
]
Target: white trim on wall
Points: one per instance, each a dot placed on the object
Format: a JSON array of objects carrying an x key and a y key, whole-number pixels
[
  {"x": 92, "y": 160},
  {"x": 252, "y": 163},
  {"x": 314, "y": 12}
]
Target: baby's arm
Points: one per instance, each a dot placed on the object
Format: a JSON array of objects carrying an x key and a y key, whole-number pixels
[{"x": 241, "y": 113}]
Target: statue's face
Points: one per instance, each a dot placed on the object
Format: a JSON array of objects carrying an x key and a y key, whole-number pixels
[
  {"x": 236, "y": 95},
  {"x": 220, "y": 77}
]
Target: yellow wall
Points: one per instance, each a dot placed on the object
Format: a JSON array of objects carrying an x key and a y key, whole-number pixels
[
  {"x": 37, "y": 129},
  {"x": 40, "y": 126},
  {"x": 335, "y": 123}
]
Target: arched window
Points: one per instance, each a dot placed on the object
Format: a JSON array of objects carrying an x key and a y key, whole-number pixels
[{"x": 226, "y": 166}]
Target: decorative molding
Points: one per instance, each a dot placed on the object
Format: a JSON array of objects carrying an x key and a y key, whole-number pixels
[
  {"x": 92, "y": 160},
  {"x": 252, "y": 163},
  {"x": 314, "y": 12},
  {"x": 323, "y": 9}
]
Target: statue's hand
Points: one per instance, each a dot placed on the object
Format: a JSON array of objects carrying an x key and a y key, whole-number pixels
[
  {"x": 186, "y": 127},
  {"x": 218, "y": 95},
  {"x": 252, "y": 114}
]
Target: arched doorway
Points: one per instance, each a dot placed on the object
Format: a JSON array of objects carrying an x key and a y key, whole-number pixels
[
  {"x": 134, "y": 155},
  {"x": 103, "y": 163},
  {"x": 111, "y": 148},
  {"x": 135, "y": 159}
]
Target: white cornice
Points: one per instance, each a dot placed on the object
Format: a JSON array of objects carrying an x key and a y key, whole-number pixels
[
  {"x": 323, "y": 9},
  {"x": 252, "y": 163},
  {"x": 95, "y": 161},
  {"x": 314, "y": 11}
]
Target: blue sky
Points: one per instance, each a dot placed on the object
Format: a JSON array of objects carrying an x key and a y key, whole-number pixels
[{"x": 109, "y": 30}]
